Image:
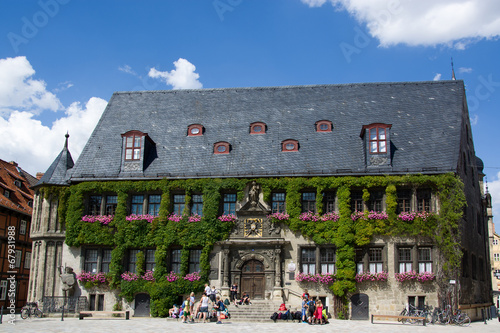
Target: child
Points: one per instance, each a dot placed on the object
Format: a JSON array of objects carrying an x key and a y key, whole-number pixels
[
  {"x": 304, "y": 309},
  {"x": 318, "y": 314},
  {"x": 219, "y": 306},
  {"x": 186, "y": 312}
]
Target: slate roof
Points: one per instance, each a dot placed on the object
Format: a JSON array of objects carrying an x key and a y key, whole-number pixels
[
  {"x": 57, "y": 173},
  {"x": 426, "y": 119}
]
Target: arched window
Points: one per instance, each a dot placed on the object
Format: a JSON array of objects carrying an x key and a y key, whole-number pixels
[
  {"x": 323, "y": 126},
  {"x": 258, "y": 128},
  {"x": 133, "y": 145},
  {"x": 289, "y": 145},
  {"x": 195, "y": 130},
  {"x": 222, "y": 147}
]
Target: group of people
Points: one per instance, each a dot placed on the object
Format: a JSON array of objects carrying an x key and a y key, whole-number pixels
[
  {"x": 188, "y": 313},
  {"x": 312, "y": 310}
]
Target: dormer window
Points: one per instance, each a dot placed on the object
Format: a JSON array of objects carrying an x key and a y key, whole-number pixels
[
  {"x": 377, "y": 142},
  {"x": 195, "y": 130},
  {"x": 6, "y": 193},
  {"x": 221, "y": 147},
  {"x": 257, "y": 128},
  {"x": 378, "y": 138},
  {"x": 138, "y": 151},
  {"x": 289, "y": 145},
  {"x": 323, "y": 126},
  {"x": 133, "y": 145}
]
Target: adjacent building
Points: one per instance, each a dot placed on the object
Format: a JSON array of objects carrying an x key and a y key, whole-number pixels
[
  {"x": 368, "y": 195},
  {"x": 16, "y": 205}
]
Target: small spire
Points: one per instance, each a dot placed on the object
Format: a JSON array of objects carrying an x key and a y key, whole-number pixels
[
  {"x": 66, "y": 143},
  {"x": 452, "y": 70}
]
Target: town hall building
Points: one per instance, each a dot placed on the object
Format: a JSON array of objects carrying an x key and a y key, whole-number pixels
[{"x": 367, "y": 195}]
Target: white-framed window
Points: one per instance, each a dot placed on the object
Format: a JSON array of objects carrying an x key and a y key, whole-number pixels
[
  {"x": 27, "y": 260},
  {"x": 22, "y": 227},
  {"x": 375, "y": 260},
  {"x": 19, "y": 255},
  {"x": 3, "y": 290},
  {"x": 308, "y": 260},
  {"x": 405, "y": 260},
  {"x": 495, "y": 241},
  {"x": 496, "y": 256},
  {"x": 424, "y": 259},
  {"x": 328, "y": 260}
]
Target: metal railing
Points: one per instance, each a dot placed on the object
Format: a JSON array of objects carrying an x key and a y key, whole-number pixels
[{"x": 54, "y": 304}]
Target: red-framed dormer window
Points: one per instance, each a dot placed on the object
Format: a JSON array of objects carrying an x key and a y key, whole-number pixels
[
  {"x": 195, "y": 130},
  {"x": 222, "y": 147},
  {"x": 377, "y": 138},
  {"x": 133, "y": 145},
  {"x": 289, "y": 145},
  {"x": 323, "y": 126},
  {"x": 258, "y": 128}
]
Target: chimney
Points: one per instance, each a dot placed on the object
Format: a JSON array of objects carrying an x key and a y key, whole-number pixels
[
  {"x": 13, "y": 163},
  {"x": 39, "y": 175}
]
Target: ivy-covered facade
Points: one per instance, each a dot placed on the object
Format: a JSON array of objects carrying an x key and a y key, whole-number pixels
[{"x": 274, "y": 189}]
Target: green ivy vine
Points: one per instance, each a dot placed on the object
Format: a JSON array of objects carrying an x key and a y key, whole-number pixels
[{"x": 345, "y": 234}]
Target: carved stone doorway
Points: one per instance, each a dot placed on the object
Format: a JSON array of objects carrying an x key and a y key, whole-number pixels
[{"x": 253, "y": 279}]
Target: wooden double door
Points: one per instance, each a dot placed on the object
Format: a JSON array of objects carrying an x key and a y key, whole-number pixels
[{"x": 253, "y": 279}]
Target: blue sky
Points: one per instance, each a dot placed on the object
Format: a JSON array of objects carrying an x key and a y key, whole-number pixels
[{"x": 61, "y": 60}]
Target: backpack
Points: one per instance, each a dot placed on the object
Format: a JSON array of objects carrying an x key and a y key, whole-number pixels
[
  {"x": 274, "y": 316},
  {"x": 286, "y": 315},
  {"x": 312, "y": 307},
  {"x": 221, "y": 306},
  {"x": 297, "y": 315},
  {"x": 226, "y": 302}
]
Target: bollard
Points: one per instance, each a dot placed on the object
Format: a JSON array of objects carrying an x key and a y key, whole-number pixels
[
  {"x": 484, "y": 317},
  {"x": 1, "y": 314}
]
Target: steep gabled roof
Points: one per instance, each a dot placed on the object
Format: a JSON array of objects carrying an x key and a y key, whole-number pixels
[
  {"x": 57, "y": 173},
  {"x": 20, "y": 197},
  {"x": 426, "y": 119}
]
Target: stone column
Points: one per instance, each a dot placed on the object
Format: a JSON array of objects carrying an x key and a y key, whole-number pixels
[
  {"x": 225, "y": 268},
  {"x": 278, "y": 290}
]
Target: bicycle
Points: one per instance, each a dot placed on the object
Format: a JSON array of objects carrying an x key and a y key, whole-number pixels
[
  {"x": 461, "y": 319},
  {"x": 31, "y": 309}
]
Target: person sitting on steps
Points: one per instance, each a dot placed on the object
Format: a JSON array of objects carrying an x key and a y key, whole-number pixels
[{"x": 245, "y": 299}]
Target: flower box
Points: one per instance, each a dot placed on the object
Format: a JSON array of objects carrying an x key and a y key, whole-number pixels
[
  {"x": 102, "y": 219},
  {"x": 227, "y": 218},
  {"x": 278, "y": 217},
  {"x": 380, "y": 277},
  {"x": 135, "y": 217}
]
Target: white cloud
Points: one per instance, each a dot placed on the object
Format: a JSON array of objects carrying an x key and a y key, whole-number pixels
[
  {"x": 182, "y": 77},
  {"x": 494, "y": 189},
  {"x": 19, "y": 90},
  {"x": 437, "y": 77},
  {"x": 465, "y": 70},
  {"x": 455, "y": 23},
  {"x": 24, "y": 139},
  {"x": 127, "y": 69}
]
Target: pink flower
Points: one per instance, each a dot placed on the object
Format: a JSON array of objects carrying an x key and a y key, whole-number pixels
[
  {"x": 135, "y": 217},
  {"x": 171, "y": 277},
  {"x": 309, "y": 216},
  {"x": 194, "y": 218},
  {"x": 227, "y": 218},
  {"x": 278, "y": 216},
  {"x": 129, "y": 276},
  {"x": 193, "y": 277},
  {"x": 174, "y": 217},
  {"x": 331, "y": 216},
  {"x": 103, "y": 219}
]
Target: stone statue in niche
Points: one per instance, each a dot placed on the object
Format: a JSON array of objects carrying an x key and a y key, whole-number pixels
[{"x": 253, "y": 194}]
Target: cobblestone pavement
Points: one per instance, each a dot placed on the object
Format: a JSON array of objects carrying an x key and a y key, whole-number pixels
[{"x": 139, "y": 325}]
